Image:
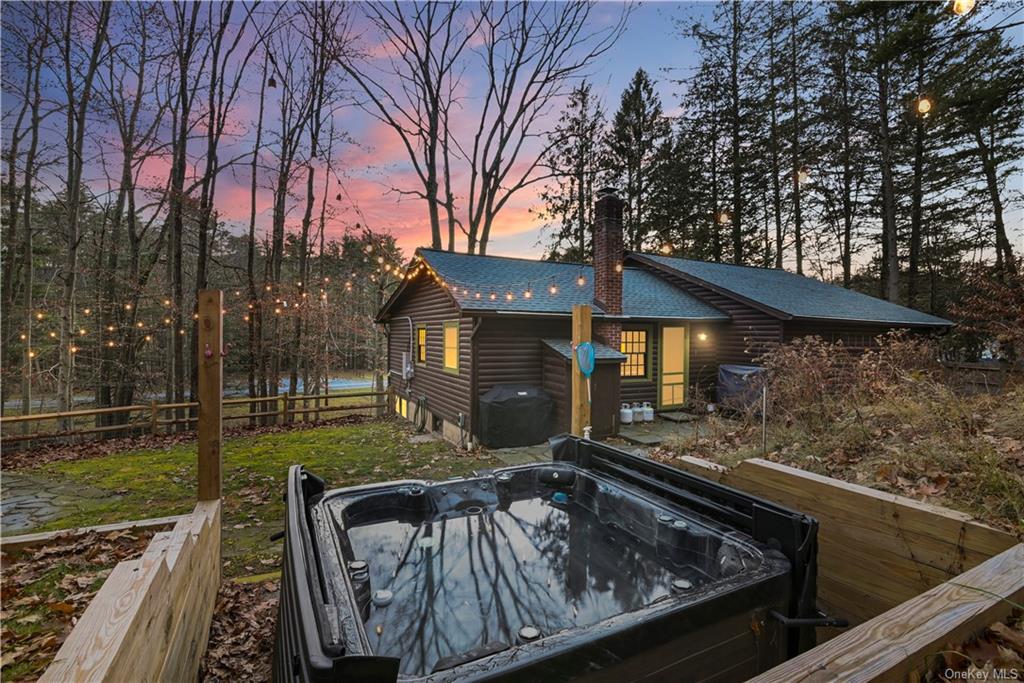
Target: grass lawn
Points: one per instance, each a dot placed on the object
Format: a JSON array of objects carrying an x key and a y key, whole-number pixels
[{"x": 162, "y": 481}]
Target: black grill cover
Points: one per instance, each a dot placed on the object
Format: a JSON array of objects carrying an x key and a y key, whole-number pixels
[
  {"x": 739, "y": 386},
  {"x": 516, "y": 415}
]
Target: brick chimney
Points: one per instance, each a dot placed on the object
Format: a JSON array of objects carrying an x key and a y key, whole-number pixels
[{"x": 608, "y": 264}]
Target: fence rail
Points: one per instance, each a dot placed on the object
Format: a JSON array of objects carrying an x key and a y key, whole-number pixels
[{"x": 157, "y": 418}]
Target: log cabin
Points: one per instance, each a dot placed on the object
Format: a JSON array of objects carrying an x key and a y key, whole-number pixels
[{"x": 460, "y": 325}]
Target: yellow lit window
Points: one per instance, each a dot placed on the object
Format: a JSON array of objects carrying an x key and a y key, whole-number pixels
[
  {"x": 451, "y": 346},
  {"x": 634, "y": 345},
  {"x": 421, "y": 344}
]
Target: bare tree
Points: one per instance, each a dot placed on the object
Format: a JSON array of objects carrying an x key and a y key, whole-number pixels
[{"x": 85, "y": 26}]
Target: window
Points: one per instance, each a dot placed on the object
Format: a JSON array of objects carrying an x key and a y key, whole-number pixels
[
  {"x": 421, "y": 344},
  {"x": 451, "y": 346},
  {"x": 634, "y": 345}
]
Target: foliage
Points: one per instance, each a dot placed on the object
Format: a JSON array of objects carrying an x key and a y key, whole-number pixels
[
  {"x": 891, "y": 418},
  {"x": 994, "y": 309}
]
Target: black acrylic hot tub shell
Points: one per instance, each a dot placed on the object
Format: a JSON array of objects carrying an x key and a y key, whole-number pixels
[{"x": 725, "y": 635}]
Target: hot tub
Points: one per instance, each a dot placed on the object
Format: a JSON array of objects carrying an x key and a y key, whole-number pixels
[{"x": 599, "y": 565}]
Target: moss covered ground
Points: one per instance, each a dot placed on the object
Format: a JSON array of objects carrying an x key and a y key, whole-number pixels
[{"x": 156, "y": 482}]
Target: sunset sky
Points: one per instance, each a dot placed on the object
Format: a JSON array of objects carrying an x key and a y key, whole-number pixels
[{"x": 377, "y": 161}]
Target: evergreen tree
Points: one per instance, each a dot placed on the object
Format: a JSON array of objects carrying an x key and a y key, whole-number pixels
[
  {"x": 633, "y": 153},
  {"x": 572, "y": 159}
]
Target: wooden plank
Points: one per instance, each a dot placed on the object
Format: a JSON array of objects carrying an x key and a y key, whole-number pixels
[
  {"x": 581, "y": 314},
  {"x": 876, "y": 549},
  {"x": 211, "y": 391},
  {"x": 905, "y": 640},
  {"x": 15, "y": 543},
  {"x": 151, "y": 618}
]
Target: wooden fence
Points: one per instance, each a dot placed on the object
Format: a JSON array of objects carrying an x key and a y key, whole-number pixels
[{"x": 157, "y": 418}]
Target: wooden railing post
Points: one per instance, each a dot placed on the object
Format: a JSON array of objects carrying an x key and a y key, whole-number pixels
[
  {"x": 580, "y": 402},
  {"x": 211, "y": 391},
  {"x": 154, "y": 413},
  {"x": 284, "y": 408}
]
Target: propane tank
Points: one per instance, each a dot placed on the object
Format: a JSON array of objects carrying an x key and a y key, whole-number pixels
[
  {"x": 648, "y": 412},
  {"x": 626, "y": 414},
  {"x": 638, "y": 413}
]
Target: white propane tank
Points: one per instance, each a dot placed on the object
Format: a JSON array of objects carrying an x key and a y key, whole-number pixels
[
  {"x": 648, "y": 412},
  {"x": 626, "y": 414},
  {"x": 638, "y": 413}
]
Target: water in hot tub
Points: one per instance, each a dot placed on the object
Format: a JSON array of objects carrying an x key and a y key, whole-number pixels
[{"x": 458, "y": 584}]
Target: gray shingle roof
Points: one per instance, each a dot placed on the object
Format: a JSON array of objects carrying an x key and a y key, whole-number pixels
[
  {"x": 645, "y": 295},
  {"x": 601, "y": 352},
  {"x": 797, "y": 295}
]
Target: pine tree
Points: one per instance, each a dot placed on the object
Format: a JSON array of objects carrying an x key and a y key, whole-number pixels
[
  {"x": 572, "y": 160},
  {"x": 638, "y": 133}
]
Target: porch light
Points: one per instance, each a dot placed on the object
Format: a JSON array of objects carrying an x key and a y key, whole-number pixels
[
  {"x": 963, "y": 7},
  {"x": 702, "y": 336}
]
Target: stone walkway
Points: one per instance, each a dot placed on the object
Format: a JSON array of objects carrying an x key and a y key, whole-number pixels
[{"x": 28, "y": 501}]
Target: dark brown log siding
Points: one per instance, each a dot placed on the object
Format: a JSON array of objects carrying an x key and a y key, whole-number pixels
[
  {"x": 556, "y": 382},
  {"x": 447, "y": 393},
  {"x": 855, "y": 336}
]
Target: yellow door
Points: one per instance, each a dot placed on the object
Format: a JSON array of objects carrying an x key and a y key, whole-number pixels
[{"x": 672, "y": 382}]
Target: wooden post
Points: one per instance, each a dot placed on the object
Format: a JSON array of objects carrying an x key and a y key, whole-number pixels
[
  {"x": 154, "y": 413},
  {"x": 211, "y": 391},
  {"x": 284, "y": 408},
  {"x": 580, "y": 404}
]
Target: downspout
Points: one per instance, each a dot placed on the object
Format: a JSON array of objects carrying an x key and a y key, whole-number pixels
[{"x": 473, "y": 377}]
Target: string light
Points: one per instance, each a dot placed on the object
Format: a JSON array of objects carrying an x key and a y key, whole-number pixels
[
  {"x": 167, "y": 302},
  {"x": 924, "y": 106},
  {"x": 53, "y": 335},
  {"x": 110, "y": 328},
  {"x": 127, "y": 307},
  {"x": 666, "y": 248},
  {"x": 74, "y": 349},
  {"x": 111, "y": 344},
  {"x": 82, "y": 332},
  {"x": 148, "y": 337},
  {"x": 181, "y": 330},
  {"x": 803, "y": 175},
  {"x": 508, "y": 296},
  {"x": 527, "y": 294},
  {"x": 553, "y": 288},
  {"x": 167, "y": 321},
  {"x": 139, "y": 324},
  {"x": 581, "y": 280},
  {"x": 477, "y": 295},
  {"x": 23, "y": 336},
  {"x": 31, "y": 353},
  {"x": 963, "y": 7},
  {"x": 724, "y": 217},
  {"x": 618, "y": 267},
  {"x": 40, "y": 316},
  {"x": 493, "y": 296},
  {"x": 87, "y": 311}
]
